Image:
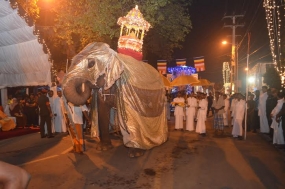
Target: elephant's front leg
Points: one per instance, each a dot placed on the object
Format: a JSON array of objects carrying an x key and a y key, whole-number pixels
[{"x": 103, "y": 122}]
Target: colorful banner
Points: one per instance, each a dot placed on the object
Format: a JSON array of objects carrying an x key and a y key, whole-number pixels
[
  {"x": 199, "y": 64},
  {"x": 181, "y": 62},
  {"x": 161, "y": 66}
]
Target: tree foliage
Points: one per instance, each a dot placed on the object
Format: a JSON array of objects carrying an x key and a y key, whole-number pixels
[
  {"x": 79, "y": 22},
  {"x": 31, "y": 7},
  {"x": 271, "y": 78}
]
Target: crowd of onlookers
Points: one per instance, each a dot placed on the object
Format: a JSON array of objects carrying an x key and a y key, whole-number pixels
[
  {"x": 26, "y": 110},
  {"x": 263, "y": 111}
]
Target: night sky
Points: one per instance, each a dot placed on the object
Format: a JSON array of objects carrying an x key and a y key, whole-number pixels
[{"x": 208, "y": 33}]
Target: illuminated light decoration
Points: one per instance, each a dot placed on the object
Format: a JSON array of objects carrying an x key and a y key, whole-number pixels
[
  {"x": 226, "y": 72},
  {"x": 133, "y": 28},
  {"x": 181, "y": 62},
  {"x": 161, "y": 66},
  {"x": 182, "y": 70},
  {"x": 272, "y": 11},
  {"x": 274, "y": 23}
]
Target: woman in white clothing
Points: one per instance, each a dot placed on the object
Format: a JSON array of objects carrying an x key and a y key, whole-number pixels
[
  {"x": 179, "y": 103},
  {"x": 278, "y": 137}
]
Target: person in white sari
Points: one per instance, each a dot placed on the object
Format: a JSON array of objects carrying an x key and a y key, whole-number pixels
[
  {"x": 190, "y": 112},
  {"x": 278, "y": 137},
  {"x": 179, "y": 103},
  {"x": 59, "y": 113},
  {"x": 264, "y": 128},
  {"x": 239, "y": 116},
  {"x": 202, "y": 115}
]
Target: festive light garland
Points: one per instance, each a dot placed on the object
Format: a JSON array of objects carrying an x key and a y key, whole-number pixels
[
  {"x": 181, "y": 70},
  {"x": 274, "y": 23},
  {"x": 226, "y": 72},
  {"x": 269, "y": 6}
]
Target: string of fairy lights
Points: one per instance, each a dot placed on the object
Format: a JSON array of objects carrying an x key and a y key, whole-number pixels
[
  {"x": 226, "y": 72},
  {"x": 36, "y": 32},
  {"x": 274, "y": 23}
]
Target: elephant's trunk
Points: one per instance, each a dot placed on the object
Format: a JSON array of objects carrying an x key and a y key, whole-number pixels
[{"x": 77, "y": 91}]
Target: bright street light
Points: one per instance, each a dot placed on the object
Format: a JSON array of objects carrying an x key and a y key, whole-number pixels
[
  {"x": 251, "y": 79},
  {"x": 224, "y": 42},
  {"x": 246, "y": 69}
]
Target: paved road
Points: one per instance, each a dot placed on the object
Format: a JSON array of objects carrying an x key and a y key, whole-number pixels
[{"x": 185, "y": 161}]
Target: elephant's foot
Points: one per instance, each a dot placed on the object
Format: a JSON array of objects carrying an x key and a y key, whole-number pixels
[
  {"x": 104, "y": 146},
  {"x": 136, "y": 152}
]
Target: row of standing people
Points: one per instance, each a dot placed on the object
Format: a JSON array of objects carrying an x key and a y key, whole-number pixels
[
  {"x": 26, "y": 111},
  {"x": 259, "y": 113},
  {"x": 198, "y": 107},
  {"x": 267, "y": 115},
  {"x": 69, "y": 114}
]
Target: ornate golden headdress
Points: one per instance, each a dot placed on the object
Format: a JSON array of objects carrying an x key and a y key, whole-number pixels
[{"x": 133, "y": 28}]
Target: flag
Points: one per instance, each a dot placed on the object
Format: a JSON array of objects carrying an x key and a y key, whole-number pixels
[
  {"x": 181, "y": 62},
  {"x": 199, "y": 64},
  {"x": 161, "y": 66}
]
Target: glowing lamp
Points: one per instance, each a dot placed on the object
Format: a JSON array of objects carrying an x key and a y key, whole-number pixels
[{"x": 251, "y": 79}]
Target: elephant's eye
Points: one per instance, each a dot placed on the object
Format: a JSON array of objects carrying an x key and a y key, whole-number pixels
[{"x": 91, "y": 63}]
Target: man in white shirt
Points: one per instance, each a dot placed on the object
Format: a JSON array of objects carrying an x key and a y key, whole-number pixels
[
  {"x": 218, "y": 105},
  {"x": 179, "y": 103},
  {"x": 77, "y": 113},
  {"x": 264, "y": 128},
  {"x": 239, "y": 116},
  {"x": 59, "y": 113},
  {"x": 278, "y": 137},
  {"x": 192, "y": 104},
  {"x": 202, "y": 115},
  {"x": 51, "y": 97}
]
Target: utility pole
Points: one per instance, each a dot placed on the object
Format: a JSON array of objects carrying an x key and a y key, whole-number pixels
[{"x": 234, "y": 66}]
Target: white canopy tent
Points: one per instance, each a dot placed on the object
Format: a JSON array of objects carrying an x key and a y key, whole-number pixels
[{"x": 22, "y": 59}]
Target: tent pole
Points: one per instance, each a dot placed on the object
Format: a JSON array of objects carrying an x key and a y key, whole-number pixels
[{"x": 4, "y": 97}]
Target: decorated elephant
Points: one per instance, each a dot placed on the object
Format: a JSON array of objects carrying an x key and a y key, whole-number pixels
[{"x": 116, "y": 80}]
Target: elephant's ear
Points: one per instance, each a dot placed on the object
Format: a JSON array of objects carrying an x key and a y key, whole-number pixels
[{"x": 113, "y": 69}]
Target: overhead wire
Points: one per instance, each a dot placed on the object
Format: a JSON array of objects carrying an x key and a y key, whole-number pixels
[{"x": 252, "y": 21}]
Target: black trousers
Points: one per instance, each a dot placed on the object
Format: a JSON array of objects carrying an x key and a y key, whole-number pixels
[
  {"x": 31, "y": 116},
  {"x": 250, "y": 121},
  {"x": 45, "y": 119},
  {"x": 210, "y": 109},
  {"x": 271, "y": 131},
  {"x": 256, "y": 124}
]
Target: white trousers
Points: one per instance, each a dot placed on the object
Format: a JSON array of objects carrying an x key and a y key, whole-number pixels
[{"x": 179, "y": 122}]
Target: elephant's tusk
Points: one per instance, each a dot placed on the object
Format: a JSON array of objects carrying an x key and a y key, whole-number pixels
[{"x": 83, "y": 87}]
